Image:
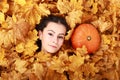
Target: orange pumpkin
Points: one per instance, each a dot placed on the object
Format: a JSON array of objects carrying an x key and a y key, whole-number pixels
[{"x": 88, "y": 35}]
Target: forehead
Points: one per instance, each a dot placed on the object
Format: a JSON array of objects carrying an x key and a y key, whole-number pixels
[{"x": 57, "y": 27}]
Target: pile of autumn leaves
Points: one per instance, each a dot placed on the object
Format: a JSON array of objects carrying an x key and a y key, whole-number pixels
[{"x": 18, "y": 36}]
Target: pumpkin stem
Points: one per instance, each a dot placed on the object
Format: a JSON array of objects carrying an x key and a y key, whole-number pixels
[{"x": 89, "y": 38}]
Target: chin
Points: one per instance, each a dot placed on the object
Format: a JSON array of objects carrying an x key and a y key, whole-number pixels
[{"x": 52, "y": 52}]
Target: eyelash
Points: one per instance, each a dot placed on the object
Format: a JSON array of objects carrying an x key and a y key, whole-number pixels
[
  {"x": 60, "y": 37},
  {"x": 50, "y": 34}
]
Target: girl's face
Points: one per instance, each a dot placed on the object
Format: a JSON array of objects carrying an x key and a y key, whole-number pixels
[{"x": 52, "y": 37}]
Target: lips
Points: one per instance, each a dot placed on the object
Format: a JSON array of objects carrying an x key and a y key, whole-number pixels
[{"x": 53, "y": 46}]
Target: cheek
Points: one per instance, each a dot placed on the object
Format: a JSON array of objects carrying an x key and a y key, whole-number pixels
[
  {"x": 45, "y": 39},
  {"x": 61, "y": 42}
]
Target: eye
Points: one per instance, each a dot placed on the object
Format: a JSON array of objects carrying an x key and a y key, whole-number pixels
[
  {"x": 50, "y": 34},
  {"x": 61, "y": 37}
]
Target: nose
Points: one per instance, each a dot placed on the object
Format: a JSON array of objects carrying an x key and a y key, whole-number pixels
[{"x": 55, "y": 40}]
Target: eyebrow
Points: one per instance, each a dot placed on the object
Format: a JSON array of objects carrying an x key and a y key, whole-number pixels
[{"x": 54, "y": 32}]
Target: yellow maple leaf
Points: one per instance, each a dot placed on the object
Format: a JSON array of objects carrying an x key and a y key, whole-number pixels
[
  {"x": 2, "y": 53},
  {"x": 62, "y": 7},
  {"x": 95, "y": 9},
  {"x": 14, "y": 18},
  {"x": 3, "y": 60},
  {"x": 14, "y": 32},
  {"x": 20, "y": 65},
  {"x": 74, "y": 17},
  {"x": 103, "y": 25},
  {"x": 89, "y": 69},
  {"x": 8, "y": 23},
  {"x": 44, "y": 58},
  {"x": 76, "y": 61},
  {"x": 38, "y": 70},
  {"x": 2, "y": 17},
  {"x": 71, "y": 5},
  {"x": 43, "y": 9},
  {"x": 30, "y": 48},
  {"x": 4, "y": 6},
  {"x": 27, "y": 48},
  {"x": 6, "y": 38},
  {"x": 106, "y": 39},
  {"x": 20, "y": 47},
  {"x": 33, "y": 35},
  {"x": 21, "y": 2},
  {"x": 60, "y": 64},
  {"x": 68, "y": 36},
  {"x": 32, "y": 12}
]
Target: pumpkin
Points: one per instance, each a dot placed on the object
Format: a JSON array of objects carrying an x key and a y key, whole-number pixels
[{"x": 87, "y": 35}]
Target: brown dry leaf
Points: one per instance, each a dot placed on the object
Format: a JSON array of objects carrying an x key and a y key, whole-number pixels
[
  {"x": 33, "y": 35},
  {"x": 76, "y": 61},
  {"x": 32, "y": 76},
  {"x": 32, "y": 12},
  {"x": 77, "y": 75},
  {"x": 108, "y": 61},
  {"x": 7, "y": 23},
  {"x": 81, "y": 51},
  {"x": 89, "y": 69},
  {"x": 4, "y": 6},
  {"x": 53, "y": 75},
  {"x": 110, "y": 74},
  {"x": 28, "y": 47},
  {"x": 88, "y": 4},
  {"x": 71, "y": 5},
  {"x": 6, "y": 38},
  {"x": 98, "y": 56},
  {"x": 21, "y": 2},
  {"x": 73, "y": 9},
  {"x": 115, "y": 41},
  {"x": 45, "y": 57},
  {"x": 2, "y": 54},
  {"x": 20, "y": 65},
  {"x": 3, "y": 60},
  {"x": 21, "y": 29},
  {"x": 43, "y": 9},
  {"x": 13, "y": 32},
  {"x": 102, "y": 24},
  {"x": 60, "y": 64},
  {"x": 114, "y": 9},
  {"x": 92, "y": 6},
  {"x": 110, "y": 40},
  {"x": 12, "y": 75},
  {"x": 106, "y": 39},
  {"x": 74, "y": 17},
  {"x": 38, "y": 70},
  {"x": 62, "y": 7}
]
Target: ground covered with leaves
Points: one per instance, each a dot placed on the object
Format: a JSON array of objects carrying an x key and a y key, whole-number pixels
[{"x": 19, "y": 59}]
